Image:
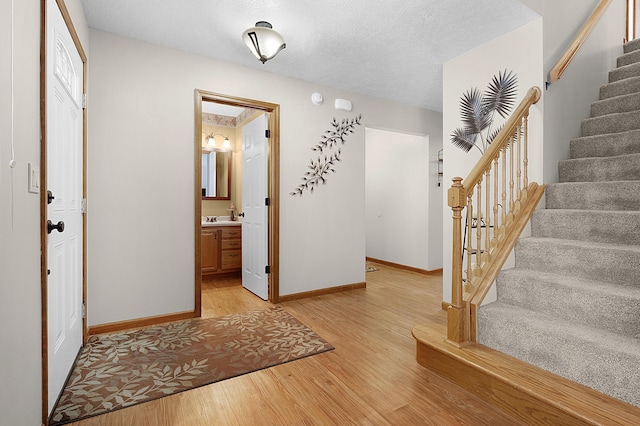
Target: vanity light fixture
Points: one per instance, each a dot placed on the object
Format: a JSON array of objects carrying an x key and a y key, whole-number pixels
[
  {"x": 263, "y": 41},
  {"x": 211, "y": 140}
]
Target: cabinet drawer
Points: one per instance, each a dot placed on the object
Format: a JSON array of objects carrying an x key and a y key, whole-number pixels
[
  {"x": 231, "y": 259},
  {"x": 231, "y": 232},
  {"x": 231, "y": 244}
]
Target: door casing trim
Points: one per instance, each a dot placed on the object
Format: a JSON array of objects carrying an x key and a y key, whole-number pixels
[{"x": 273, "y": 167}]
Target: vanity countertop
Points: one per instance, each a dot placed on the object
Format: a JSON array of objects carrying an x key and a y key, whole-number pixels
[{"x": 222, "y": 223}]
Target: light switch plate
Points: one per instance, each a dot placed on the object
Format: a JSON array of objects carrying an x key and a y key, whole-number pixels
[{"x": 34, "y": 179}]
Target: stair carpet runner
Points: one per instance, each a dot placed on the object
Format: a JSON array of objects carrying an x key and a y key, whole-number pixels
[{"x": 571, "y": 304}]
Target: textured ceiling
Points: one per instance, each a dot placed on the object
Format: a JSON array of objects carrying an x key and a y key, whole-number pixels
[{"x": 393, "y": 49}]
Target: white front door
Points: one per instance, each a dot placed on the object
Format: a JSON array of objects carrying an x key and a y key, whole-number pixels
[
  {"x": 64, "y": 121},
  {"x": 254, "y": 194}
]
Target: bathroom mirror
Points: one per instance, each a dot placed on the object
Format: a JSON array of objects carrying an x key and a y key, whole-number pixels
[{"x": 216, "y": 174}]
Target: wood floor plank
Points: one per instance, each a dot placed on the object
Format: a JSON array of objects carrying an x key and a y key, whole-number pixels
[{"x": 371, "y": 378}]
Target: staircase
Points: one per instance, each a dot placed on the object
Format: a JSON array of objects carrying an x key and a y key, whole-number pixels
[{"x": 571, "y": 305}]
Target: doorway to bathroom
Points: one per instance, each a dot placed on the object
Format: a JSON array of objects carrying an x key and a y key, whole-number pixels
[{"x": 251, "y": 192}]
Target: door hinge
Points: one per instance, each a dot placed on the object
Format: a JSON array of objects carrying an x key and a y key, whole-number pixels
[
  {"x": 267, "y": 133},
  {"x": 267, "y": 269},
  {"x": 267, "y": 201},
  {"x": 84, "y": 100},
  {"x": 84, "y": 310},
  {"x": 83, "y": 206}
]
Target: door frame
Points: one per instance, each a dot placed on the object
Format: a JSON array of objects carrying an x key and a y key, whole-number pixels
[
  {"x": 43, "y": 185},
  {"x": 273, "y": 188}
]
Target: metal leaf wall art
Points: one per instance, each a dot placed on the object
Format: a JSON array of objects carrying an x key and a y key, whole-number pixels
[
  {"x": 328, "y": 154},
  {"x": 477, "y": 110}
]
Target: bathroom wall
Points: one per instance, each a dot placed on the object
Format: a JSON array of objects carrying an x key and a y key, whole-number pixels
[
  {"x": 399, "y": 187},
  {"x": 520, "y": 51},
  {"x": 219, "y": 207},
  {"x": 145, "y": 267}
]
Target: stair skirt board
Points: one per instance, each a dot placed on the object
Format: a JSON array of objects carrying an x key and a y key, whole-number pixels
[{"x": 527, "y": 393}]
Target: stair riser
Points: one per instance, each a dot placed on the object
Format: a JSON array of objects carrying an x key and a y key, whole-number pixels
[
  {"x": 621, "y": 168},
  {"x": 587, "y": 225},
  {"x": 631, "y": 46},
  {"x": 606, "y": 145},
  {"x": 609, "y": 371},
  {"x": 627, "y": 71},
  {"x": 611, "y": 123},
  {"x": 612, "y": 264},
  {"x": 593, "y": 196},
  {"x": 628, "y": 58},
  {"x": 619, "y": 104},
  {"x": 620, "y": 88},
  {"x": 585, "y": 304}
]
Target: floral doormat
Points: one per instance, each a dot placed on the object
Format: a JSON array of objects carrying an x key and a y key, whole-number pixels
[{"x": 123, "y": 369}]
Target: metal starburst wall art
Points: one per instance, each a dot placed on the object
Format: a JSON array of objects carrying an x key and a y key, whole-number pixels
[
  {"x": 328, "y": 154},
  {"x": 478, "y": 109}
]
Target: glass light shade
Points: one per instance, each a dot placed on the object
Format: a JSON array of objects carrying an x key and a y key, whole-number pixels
[
  {"x": 211, "y": 141},
  {"x": 226, "y": 144},
  {"x": 263, "y": 41}
]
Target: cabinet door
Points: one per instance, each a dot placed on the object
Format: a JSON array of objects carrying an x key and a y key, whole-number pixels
[{"x": 210, "y": 250}]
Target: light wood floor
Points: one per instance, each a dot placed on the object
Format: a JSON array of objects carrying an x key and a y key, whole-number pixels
[{"x": 371, "y": 378}]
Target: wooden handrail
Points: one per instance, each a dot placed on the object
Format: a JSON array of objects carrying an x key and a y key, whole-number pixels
[
  {"x": 499, "y": 181},
  {"x": 558, "y": 69}
]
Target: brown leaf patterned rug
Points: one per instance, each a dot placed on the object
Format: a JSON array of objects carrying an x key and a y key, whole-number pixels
[{"x": 122, "y": 369}]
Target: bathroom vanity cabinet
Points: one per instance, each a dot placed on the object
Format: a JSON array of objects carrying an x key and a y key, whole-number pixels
[
  {"x": 210, "y": 250},
  {"x": 221, "y": 249},
  {"x": 231, "y": 248}
]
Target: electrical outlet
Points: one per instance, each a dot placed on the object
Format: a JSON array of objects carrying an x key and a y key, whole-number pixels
[{"x": 34, "y": 179}]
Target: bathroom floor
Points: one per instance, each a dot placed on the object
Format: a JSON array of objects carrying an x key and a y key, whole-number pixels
[{"x": 223, "y": 296}]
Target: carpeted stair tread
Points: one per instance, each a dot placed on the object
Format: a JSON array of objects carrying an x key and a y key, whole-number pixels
[
  {"x": 631, "y": 46},
  {"x": 601, "y": 360},
  {"x": 580, "y": 259},
  {"x": 571, "y": 304},
  {"x": 620, "y": 195},
  {"x": 628, "y": 58},
  {"x": 600, "y": 226},
  {"x": 611, "y": 123},
  {"x": 593, "y": 303},
  {"x": 608, "y": 145},
  {"x": 625, "y": 71},
  {"x": 598, "y": 169},
  {"x": 617, "y": 104},
  {"x": 619, "y": 88}
]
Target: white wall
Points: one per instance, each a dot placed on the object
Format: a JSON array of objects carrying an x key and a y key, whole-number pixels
[
  {"x": 140, "y": 225},
  {"x": 20, "y": 331},
  {"x": 568, "y": 101},
  {"x": 436, "y": 205},
  {"x": 519, "y": 51},
  {"x": 397, "y": 188}
]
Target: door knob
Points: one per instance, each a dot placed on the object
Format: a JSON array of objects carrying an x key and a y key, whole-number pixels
[
  {"x": 58, "y": 227},
  {"x": 241, "y": 214},
  {"x": 50, "y": 197}
]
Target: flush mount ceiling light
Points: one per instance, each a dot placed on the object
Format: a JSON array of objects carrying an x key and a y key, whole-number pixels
[{"x": 263, "y": 41}]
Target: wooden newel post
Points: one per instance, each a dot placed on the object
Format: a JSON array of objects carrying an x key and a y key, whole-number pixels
[{"x": 457, "y": 314}]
